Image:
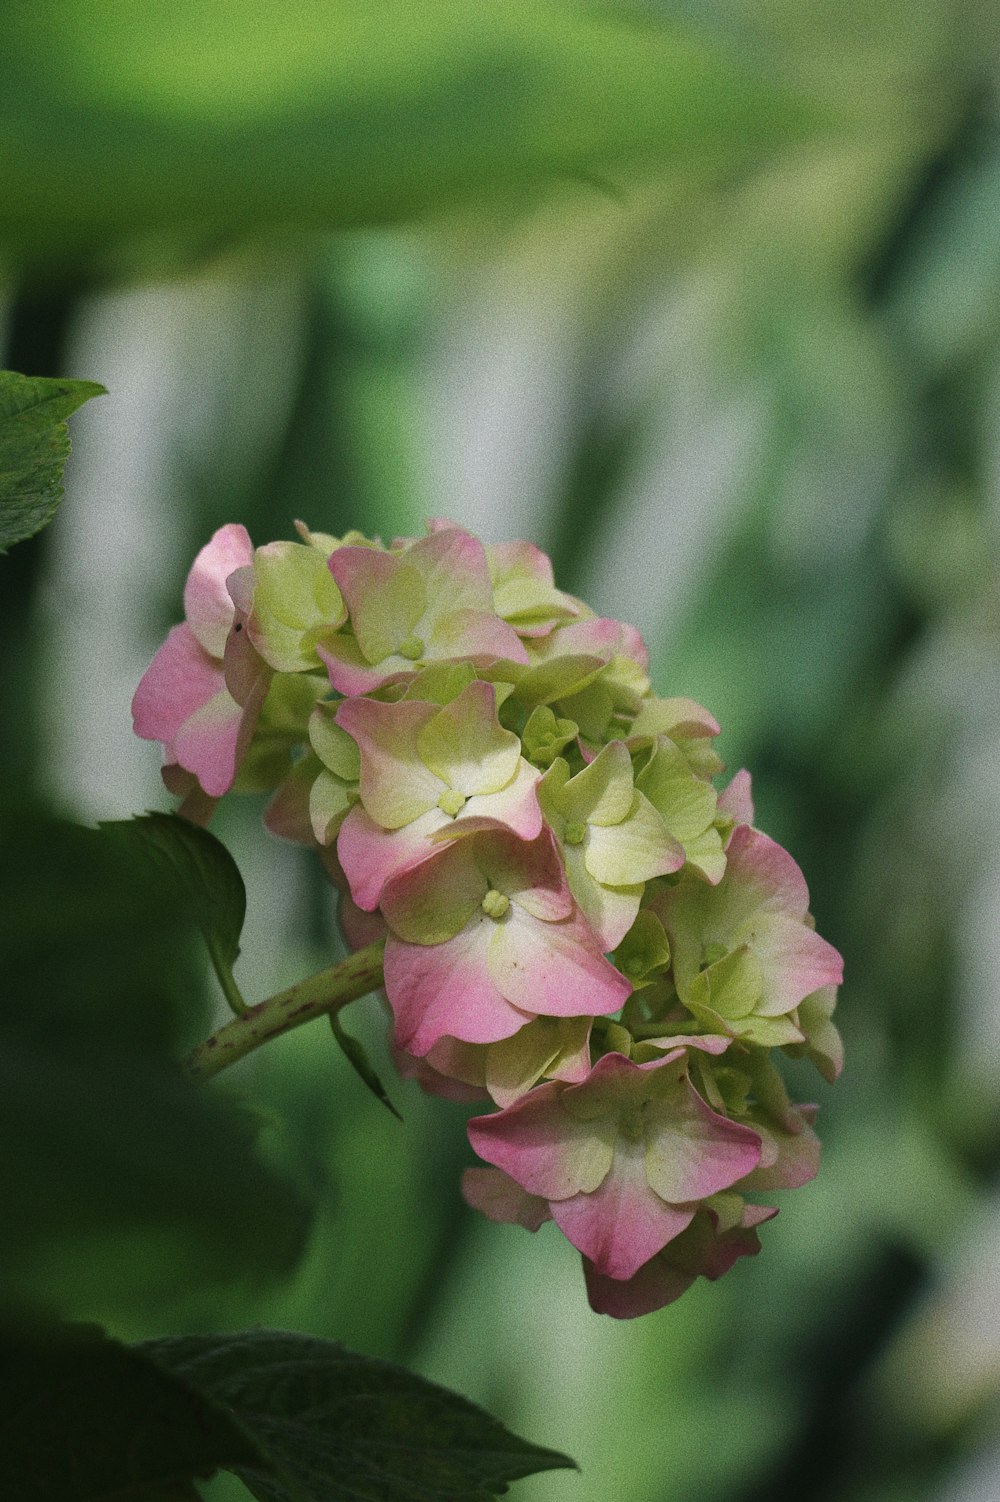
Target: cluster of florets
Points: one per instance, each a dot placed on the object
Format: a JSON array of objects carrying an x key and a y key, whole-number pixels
[{"x": 578, "y": 926}]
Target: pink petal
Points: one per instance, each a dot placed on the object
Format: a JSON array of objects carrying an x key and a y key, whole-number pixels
[
  {"x": 396, "y": 786},
  {"x": 180, "y": 679},
  {"x": 210, "y": 742},
  {"x": 498, "y": 1198},
  {"x": 596, "y": 637},
  {"x": 359, "y": 929},
  {"x": 761, "y": 873},
  {"x": 515, "y": 806},
  {"x": 196, "y": 806},
  {"x": 622, "y": 1223},
  {"x": 207, "y": 605},
  {"x": 445, "y": 989},
  {"x": 656, "y": 1284},
  {"x": 478, "y": 635},
  {"x": 287, "y": 814},
  {"x": 521, "y": 558},
  {"x": 453, "y": 566},
  {"x": 351, "y": 672},
  {"x": 432, "y": 902},
  {"x": 434, "y": 1080},
  {"x": 529, "y": 872},
  {"x": 364, "y": 576},
  {"x": 555, "y": 969},
  {"x": 736, "y": 800},
  {"x": 691, "y": 1152},
  {"x": 790, "y": 1159},
  {"x": 371, "y": 855},
  {"x": 796, "y": 962},
  {"x": 245, "y": 671},
  {"x": 542, "y": 1147}
]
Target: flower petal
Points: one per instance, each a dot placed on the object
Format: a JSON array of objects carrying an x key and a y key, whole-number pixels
[
  {"x": 445, "y": 989},
  {"x": 396, "y": 785},
  {"x": 621, "y": 1224},
  {"x": 634, "y": 850},
  {"x": 465, "y": 745},
  {"x": 207, "y": 605},
  {"x": 692, "y": 1152},
  {"x": 180, "y": 679},
  {"x": 543, "y": 1148},
  {"x": 495, "y": 1195},
  {"x": 372, "y": 856},
  {"x": 432, "y": 902},
  {"x": 556, "y": 969}
]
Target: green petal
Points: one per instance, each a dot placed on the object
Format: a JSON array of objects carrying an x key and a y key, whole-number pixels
[
  {"x": 466, "y": 746},
  {"x": 732, "y": 987},
  {"x": 386, "y": 615},
  {"x": 334, "y": 747},
  {"x": 441, "y": 682},
  {"x": 687, "y": 804},
  {"x": 295, "y": 601},
  {"x": 602, "y": 793},
  {"x": 330, "y": 801},
  {"x": 636, "y": 850},
  {"x": 544, "y": 682}
]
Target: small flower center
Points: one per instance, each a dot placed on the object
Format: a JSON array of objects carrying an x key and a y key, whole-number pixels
[
  {"x": 575, "y": 833},
  {"x": 451, "y": 802},
  {"x": 411, "y": 647},
  {"x": 495, "y": 904}
]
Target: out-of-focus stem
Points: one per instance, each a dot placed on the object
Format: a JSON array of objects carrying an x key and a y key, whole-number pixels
[{"x": 318, "y": 996}]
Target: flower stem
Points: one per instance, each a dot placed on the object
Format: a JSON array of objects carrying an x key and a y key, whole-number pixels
[{"x": 317, "y": 996}]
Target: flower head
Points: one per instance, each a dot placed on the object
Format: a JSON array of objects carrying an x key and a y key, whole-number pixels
[
  {"x": 579, "y": 927},
  {"x": 623, "y": 1159}
]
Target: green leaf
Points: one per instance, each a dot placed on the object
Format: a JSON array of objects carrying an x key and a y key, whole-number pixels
[
  {"x": 334, "y": 1426},
  {"x": 356, "y": 1055},
  {"x": 34, "y": 447},
  {"x": 124, "y": 1181},
  {"x": 84, "y": 1419},
  {"x": 125, "y": 121},
  {"x": 207, "y": 882}
]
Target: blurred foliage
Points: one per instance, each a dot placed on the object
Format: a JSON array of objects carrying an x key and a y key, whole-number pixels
[{"x": 704, "y": 298}]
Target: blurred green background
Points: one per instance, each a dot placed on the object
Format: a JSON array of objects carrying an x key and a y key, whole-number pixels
[{"x": 704, "y": 298}]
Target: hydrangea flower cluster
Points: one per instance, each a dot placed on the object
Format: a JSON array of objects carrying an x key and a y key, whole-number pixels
[{"x": 579, "y": 927}]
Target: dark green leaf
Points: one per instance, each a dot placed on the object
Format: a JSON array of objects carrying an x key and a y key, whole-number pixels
[
  {"x": 356, "y": 1055},
  {"x": 121, "y": 1176},
  {"x": 124, "y": 121},
  {"x": 34, "y": 447},
  {"x": 83, "y": 1419},
  {"x": 207, "y": 880},
  {"x": 338, "y": 1427}
]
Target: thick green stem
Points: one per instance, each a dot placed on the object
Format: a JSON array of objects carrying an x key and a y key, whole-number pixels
[{"x": 317, "y": 996}]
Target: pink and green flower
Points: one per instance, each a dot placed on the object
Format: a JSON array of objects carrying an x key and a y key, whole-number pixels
[
  {"x": 205, "y": 687},
  {"x": 432, "y": 602},
  {"x": 623, "y": 1159},
  {"x": 484, "y": 936}
]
